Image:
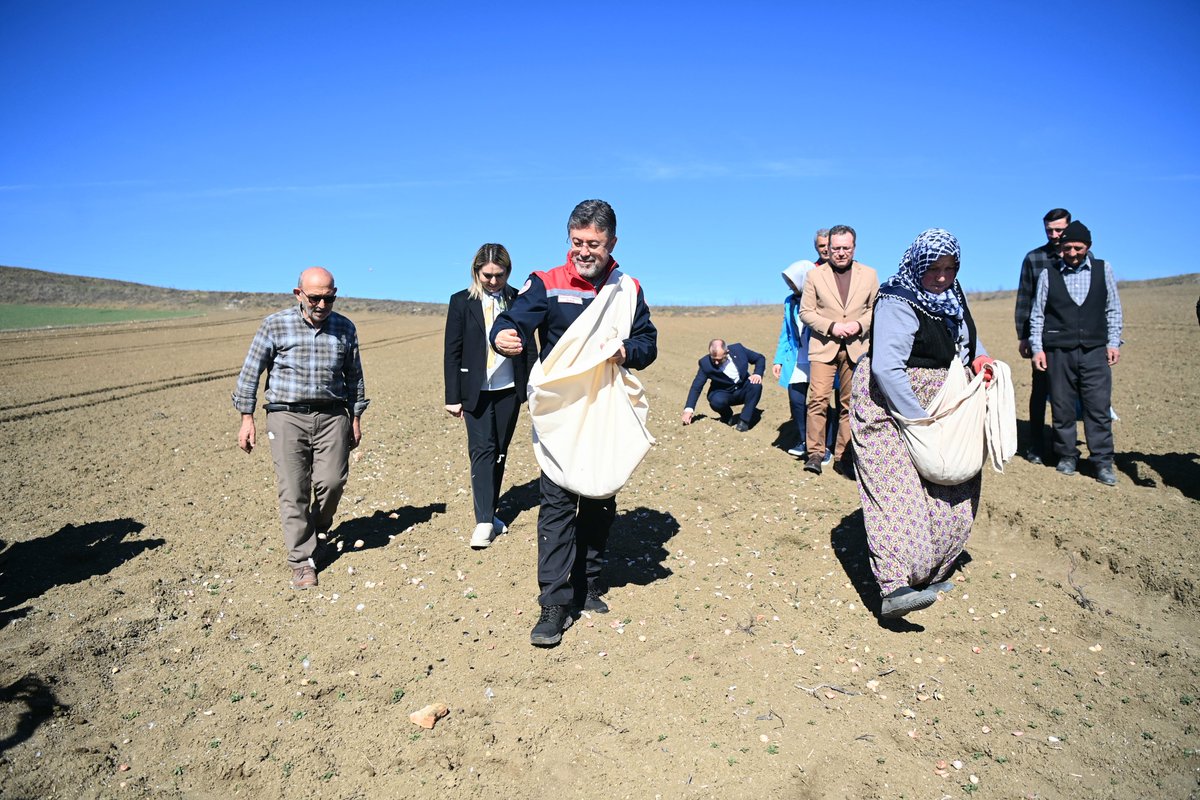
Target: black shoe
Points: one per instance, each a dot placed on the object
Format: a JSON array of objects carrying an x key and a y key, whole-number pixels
[
  {"x": 1066, "y": 465},
  {"x": 550, "y": 626},
  {"x": 594, "y": 601},
  {"x": 844, "y": 468},
  {"x": 1034, "y": 457},
  {"x": 1106, "y": 475},
  {"x": 741, "y": 426},
  {"x": 813, "y": 465}
]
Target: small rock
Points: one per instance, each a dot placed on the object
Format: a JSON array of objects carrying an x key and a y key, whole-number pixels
[
  {"x": 123, "y": 768},
  {"x": 358, "y": 544},
  {"x": 1094, "y": 648},
  {"x": 429, "y": 715}
]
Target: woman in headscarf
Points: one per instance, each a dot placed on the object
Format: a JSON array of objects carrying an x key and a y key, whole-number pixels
[{"x": 916, "y": 529}]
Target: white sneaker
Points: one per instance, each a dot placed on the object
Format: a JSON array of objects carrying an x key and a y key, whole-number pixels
[
  {"x": 499, "y": 526},
  {"x": 482, "y": 536},
  {"x": 799, "y": 451}
]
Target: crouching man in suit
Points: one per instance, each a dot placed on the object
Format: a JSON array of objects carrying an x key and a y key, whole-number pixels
[{"x": 728, "y": 368}]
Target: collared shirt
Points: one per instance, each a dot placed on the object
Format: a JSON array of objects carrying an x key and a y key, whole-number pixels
[
  {"x": 729, "y": 368},
  {"x": 303, "y": 364},
  {"x": 1036, "y": 261},
  {"x": 500, "y": 375},
  {"x": 1079, "y": 282}
]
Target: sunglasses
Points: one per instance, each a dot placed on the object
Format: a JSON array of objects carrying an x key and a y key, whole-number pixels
[{"x": 317, "y": 299}]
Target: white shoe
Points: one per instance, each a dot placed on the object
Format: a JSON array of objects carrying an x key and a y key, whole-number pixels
[
  {"x": 482, "y": 536},
  {"x": 799, "y": 451},
  {"x": 499, "y": 526}
]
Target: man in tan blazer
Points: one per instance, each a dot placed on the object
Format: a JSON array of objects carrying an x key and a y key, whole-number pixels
[{"x": 837, "y": 303}]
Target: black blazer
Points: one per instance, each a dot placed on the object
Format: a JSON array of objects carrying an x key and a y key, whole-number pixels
[
  {"x": 742, "y": 357},
  {"x": 466, "y": 351}
]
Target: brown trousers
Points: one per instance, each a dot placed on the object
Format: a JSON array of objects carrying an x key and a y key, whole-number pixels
[
  {"x": 312, "y": 462},
  {"x": 820, "y": 392}
]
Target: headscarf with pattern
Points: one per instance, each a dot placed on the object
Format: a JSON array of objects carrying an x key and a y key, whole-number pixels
[{"x": 918, "y": 258}]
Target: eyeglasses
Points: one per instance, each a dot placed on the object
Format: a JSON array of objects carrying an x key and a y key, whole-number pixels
[{"x": 317, "y": 299}]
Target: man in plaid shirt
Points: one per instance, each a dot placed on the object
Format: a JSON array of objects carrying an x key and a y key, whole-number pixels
[
  {"x": 315, "y": 399},
  {"x": 1036, "y": 260},
  {"x": 1075, "y": 334}
]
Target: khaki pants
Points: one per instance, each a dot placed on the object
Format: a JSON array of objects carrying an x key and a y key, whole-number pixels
[
  {"x": 820, "y": 392},
  {"x": 311, "y": 454}
]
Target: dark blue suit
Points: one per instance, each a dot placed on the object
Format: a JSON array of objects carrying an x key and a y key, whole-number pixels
[{"x": 723, "y": 394}]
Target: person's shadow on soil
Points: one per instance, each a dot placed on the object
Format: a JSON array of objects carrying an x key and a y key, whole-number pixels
[
  {"x": 375, "y": 530},
  {"x": 637, "y": 547},
  {"x": 517, "y": 500},
  {"x": 40, "y": 705},
  {"x": 69, "y": 555},
  {"x": 849, "y": 541},
  {"x": 1178, "y": 470}
]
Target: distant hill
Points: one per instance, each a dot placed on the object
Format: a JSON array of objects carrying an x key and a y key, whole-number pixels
[{"x": 36, "y": 287}]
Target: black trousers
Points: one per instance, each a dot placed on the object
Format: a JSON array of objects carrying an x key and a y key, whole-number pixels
[
  {"x": 1081, "y": 373},
  {"x": 490, "y": 427},
  {"x": 572, "y": 538},
  {"x": 1037, "y": 408},
  {"x": 723, "y": 400}
]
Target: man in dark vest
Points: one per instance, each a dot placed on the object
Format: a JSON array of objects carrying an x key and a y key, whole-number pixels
[{"x": 1075, "y": 334}]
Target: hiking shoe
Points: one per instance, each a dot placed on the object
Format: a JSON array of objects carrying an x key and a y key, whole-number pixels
[
  {"x": 304, "y": 577},
  {"x": 482, "y": 536},
  {"x": 1066, "y": 465},
  {"x": 741, "y": 426},
  {"x": 1106, "y": 475},
  {"x": 813, "y": 465},
  {"x": 905, "y": 601},
  {"x": 594, "y": 601},
  {"x": 550, "y": 626}
]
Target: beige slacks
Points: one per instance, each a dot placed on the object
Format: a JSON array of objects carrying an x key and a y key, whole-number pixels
[
  {"x": 312, "y": 462},
  {"x": 820, "y": 392}
]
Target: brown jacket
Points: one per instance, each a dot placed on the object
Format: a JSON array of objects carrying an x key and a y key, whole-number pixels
[{"x": 821, "y": 306}]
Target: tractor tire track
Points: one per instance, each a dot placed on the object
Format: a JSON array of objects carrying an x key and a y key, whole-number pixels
[{"x": 112, "y": 394}]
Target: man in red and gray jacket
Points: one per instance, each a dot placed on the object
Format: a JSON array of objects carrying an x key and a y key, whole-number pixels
[{"x": 572, "y": 530}]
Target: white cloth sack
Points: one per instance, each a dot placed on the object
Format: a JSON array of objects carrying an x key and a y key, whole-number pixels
[
  {"x": 589, "y": 414},
  {"x": 969, "y": 422}
]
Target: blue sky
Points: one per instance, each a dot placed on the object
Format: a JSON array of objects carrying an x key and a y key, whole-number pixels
[{"x": 220, "y": 145}]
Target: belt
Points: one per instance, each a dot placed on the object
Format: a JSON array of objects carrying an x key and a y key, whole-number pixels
[{"x": 306, "y": 408}]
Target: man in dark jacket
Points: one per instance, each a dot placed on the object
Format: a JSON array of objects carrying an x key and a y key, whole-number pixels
[
  {"x": 572, "y": 530},
  {"x": 1034, "y": 263},
  {"x": 732, "y": 382}
]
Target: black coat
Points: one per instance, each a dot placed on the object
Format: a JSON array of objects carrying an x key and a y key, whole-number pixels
[{"x": 465, "y": 355}]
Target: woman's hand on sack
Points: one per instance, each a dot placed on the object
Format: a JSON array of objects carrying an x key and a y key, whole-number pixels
[{"x": 984, "y": 364}]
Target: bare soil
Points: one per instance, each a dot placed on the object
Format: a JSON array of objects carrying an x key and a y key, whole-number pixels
[{"x": 151, "y": 645}]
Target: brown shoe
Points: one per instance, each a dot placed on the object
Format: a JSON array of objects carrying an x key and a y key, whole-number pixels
[{"x": 304, "y": 577}]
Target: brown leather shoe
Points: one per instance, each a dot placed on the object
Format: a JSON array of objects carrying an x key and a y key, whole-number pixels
[{"x": 304, "y": 577}]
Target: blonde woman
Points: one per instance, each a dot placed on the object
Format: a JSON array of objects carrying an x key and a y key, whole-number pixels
[{"x": 483, "y": 388}]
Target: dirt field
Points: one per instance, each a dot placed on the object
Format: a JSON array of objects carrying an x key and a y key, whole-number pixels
[{"x": 152, "y": 647}]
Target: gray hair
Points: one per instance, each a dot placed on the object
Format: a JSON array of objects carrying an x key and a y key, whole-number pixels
[
  {"x": 594, "y": 213},
  {"x": 821, "y": 232},
  {"x": 838, "y": 230}
]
